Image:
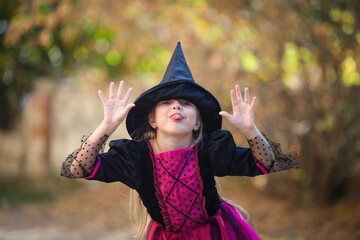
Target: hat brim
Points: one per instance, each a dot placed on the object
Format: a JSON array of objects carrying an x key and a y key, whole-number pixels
[{"x": 206, "y": 103}]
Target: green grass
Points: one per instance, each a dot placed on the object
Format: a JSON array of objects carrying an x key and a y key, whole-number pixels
[{"x": 17, "y": 191}]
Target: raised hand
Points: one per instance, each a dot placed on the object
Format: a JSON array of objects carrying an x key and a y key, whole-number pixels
[
  {"x": 243, "y": 112},
  {"x": 116, "y": 107}
]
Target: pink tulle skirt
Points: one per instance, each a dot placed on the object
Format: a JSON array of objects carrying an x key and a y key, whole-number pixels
[{"x": 226, "y": 224}]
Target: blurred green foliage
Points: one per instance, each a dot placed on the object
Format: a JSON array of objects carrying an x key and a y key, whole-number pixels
[{"x": 45, "y": 39}]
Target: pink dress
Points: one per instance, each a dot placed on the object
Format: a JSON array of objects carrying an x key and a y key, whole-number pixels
[{"x": 179, "y": 188}]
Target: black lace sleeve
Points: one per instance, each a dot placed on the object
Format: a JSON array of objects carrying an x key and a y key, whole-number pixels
[
  {"x": 269, "y": 155},
  {"x": 81, "y": 162}
]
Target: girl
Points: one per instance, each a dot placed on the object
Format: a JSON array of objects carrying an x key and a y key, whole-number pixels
[{"x": 177, "y": 150}]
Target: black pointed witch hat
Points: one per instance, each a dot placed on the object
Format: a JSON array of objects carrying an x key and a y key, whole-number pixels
[{"x": 177, "y": 83}]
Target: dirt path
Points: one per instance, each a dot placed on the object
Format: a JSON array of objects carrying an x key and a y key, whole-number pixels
[
  {"x": 100, "y": 211},
  {"x": 95, "y": 211},
  {"x": 57, "y": 234}
]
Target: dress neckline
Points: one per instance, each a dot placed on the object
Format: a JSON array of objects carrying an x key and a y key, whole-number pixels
[
  {"x": 173, "y": 152},
  {"x": 168, "y": 152}
]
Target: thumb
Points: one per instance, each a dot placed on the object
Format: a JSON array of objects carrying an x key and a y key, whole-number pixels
[
  {"x": 128, "y": 108},
  {"x": 225, "y": 114}
]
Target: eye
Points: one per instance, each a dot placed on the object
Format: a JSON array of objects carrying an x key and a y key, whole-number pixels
[
  {"x": 186, "y": 103},
  {"x": 166, "y": 102}
]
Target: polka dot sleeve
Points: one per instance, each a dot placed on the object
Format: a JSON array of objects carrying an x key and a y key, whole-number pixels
[
  {"x": 269, "y": 156},
  {"x": 81, "y": 162}
]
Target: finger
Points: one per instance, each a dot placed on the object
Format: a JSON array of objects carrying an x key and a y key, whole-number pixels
[
  {"x": 120, "y": 89},
  {"x": 102, "y": 97},
  {"x": 252, "y": 105},
  {"x": 246, "y": 97},
  {"x": 128, "y": 94},
  {"x": 238, "y": 94},
  {"x": 112, "y": 90},
  {"x": 233, "y": 98}
]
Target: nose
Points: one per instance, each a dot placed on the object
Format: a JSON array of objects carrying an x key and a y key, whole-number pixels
[{"x": 176, "y": 105}]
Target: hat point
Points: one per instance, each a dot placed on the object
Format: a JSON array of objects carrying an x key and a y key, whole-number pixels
[{"x": 177, "y": 68}]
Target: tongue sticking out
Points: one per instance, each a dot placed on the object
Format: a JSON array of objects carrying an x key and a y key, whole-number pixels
[{"x": 176, "y": 117}]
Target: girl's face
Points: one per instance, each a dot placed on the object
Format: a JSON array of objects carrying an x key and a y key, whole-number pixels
[{"x": 175, "y": 117}]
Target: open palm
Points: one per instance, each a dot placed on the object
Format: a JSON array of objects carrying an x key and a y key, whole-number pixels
[
  {"x": 243, "y": 112},
  {"x": 116, "y": 107}
]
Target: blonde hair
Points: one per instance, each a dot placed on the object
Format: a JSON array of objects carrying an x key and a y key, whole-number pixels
[
  {"x": 245, "y": 215},
  {"x": 138, "y": 213}
]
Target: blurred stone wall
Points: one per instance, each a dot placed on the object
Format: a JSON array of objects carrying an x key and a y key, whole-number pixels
[{"x": 54, "y": 119}]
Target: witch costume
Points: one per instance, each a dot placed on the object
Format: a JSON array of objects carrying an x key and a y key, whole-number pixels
[{"x": 178, "y": 187}]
